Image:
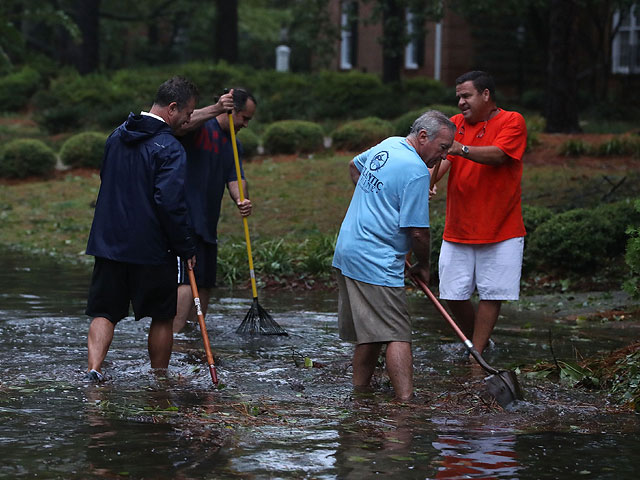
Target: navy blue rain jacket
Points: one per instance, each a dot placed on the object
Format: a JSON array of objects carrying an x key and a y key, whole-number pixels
[{"x": 141, "y": 214}]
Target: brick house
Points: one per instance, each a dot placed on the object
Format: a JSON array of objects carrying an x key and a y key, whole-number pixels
[
  {"x": 448, "y": 49},
  {"x": 443, "y": 53}
]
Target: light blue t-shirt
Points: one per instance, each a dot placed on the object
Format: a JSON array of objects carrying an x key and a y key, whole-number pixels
[{"x": 392, "y": 194}]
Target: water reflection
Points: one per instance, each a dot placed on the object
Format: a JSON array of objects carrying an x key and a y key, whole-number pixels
[
  {"x": 474, "y": 455},
  {"x": 276, "y": 418}
]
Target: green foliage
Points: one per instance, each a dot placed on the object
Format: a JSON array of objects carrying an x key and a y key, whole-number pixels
[
  {"x": 316, "y": 255},
  {"x": 21, "y": 158},
  {"x": 72, "y": 100},
  {"x": 581, "y": 240},
  {"x": 361, "y": 134},
  {"x": 424, "y": 91},
  {"x": 632, "y": 257},
  {"x": 575, "y": 148},
  {"x": 83, "y": 150},
  {"x": 249, "y": 141},
  {"x": 293, "y": 136},
  {"x": 279, "y": 259},
  {"x": 17, "y": 88},
  {"x": 353, "y": 94},
  {"x": 619, "y": 146},
  {"x": 533, "y": 216},
  {"x": 402, "y": 124},
  {"x": 625, "y": 380}
]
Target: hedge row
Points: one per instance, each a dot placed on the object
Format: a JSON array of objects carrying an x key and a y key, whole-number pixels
[
  {"x": 69, "y": 101},
  {"x": 23, "y": 157}
]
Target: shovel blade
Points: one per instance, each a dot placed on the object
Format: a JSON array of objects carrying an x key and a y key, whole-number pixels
[{"x": 504, "y": 387}]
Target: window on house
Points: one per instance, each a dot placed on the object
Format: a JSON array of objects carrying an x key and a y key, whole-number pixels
[
  {"x": 412, "y": 48},
  {"x": 625, "y": 49},
  {"x": 349, "y": 35}
]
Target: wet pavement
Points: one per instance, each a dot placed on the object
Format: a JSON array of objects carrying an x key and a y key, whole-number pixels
[{"x": 273, "y": 416}]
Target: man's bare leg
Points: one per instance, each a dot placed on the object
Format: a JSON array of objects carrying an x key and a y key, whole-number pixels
[
  {"x": 399, "y": 359},
  {"x": 365, "y": 358},
  {"x": 465, "y": 315},
  {"x": 186, "y": 309},
  {"x": 160, "y": 342},
  {"x": 98, "y": 342},
  {"x": 486, "y": 318}
]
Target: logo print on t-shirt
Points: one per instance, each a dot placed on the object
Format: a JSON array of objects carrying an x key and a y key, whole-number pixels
[{"x": 378, "y": 160}]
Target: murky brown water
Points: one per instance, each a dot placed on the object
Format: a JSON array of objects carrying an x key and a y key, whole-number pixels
[{"x": 274, "y": 418}]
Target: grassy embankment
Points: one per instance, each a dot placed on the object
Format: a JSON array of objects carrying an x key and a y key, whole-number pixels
[{"x": 299, "y": 204}]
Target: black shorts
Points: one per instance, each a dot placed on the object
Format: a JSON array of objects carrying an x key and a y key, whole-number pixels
[
  {"x": 206, "y": 265},
  {"x": 151, "y": 289}
]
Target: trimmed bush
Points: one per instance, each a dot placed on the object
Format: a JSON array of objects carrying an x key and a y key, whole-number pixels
[
  {"x": 402, "y": 124},
  {"x": 583, "y": 239},
  {"x": 632, "y": 257},
  {"x": 83, "y": 150},
  {"x": 293, "y": 136},
  {"x": 17, "y": 88},
  {"x": 423, "y": 90},
  {"x": 534, "y": 216},
  {"x": 23, "y": 157},
  {"x": 249, "y": 141},
  {"x": 620, "y": 217},
  {"x": 359, "y": 135}
]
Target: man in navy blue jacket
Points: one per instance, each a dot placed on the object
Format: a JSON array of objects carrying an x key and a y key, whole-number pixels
[{"x": 140, "y": 225}]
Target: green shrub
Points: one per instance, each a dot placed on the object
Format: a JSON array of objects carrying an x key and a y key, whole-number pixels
[
  {"x": 402, "y": 124},
  {"x": 632, "y": 257},
  {"x": 582, "y": 239},
  {"x": 620, "y": 217},
  {"x": 22, "y": 157},
  {"x": 17, "y": 88},
  {"x": 73, "y": 100},
  {"x": 359, "y": 135},
  {"x": 534, "y": 216},
  {"x": 575, "y": 148},
  {"x": 293, "y": 136},
  {"x": 423, "y": 91},
  {"x": 249, "y": 141},
  {"x": 83, "y": 150},
  {"x": 353, "y": 94}
]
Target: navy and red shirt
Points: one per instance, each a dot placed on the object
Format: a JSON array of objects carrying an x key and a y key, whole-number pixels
[{"x": 210, "y": 166}]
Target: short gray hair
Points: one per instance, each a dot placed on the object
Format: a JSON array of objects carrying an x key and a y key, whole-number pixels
[{"x": 431, "y": 122}]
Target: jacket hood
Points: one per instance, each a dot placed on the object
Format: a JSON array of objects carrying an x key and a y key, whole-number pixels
[{"x": 138, "y": 128}]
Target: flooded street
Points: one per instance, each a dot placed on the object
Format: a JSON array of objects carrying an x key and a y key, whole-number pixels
[{"x": 274, "y": 415}]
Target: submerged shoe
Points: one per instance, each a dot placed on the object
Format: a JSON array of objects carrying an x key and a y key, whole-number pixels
[{"x": 94, "y": 376}]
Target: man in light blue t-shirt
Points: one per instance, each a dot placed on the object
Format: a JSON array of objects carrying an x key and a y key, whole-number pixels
[{"x": 388, "y": 216}]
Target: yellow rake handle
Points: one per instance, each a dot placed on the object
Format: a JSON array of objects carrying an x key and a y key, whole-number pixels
[{"x": 244, "y": 219}]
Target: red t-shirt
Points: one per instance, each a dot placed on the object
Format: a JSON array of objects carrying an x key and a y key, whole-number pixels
[{"x": 483, "y": 201}]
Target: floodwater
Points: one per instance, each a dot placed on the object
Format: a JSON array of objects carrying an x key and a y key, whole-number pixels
[{"x": 274, "y": 417}]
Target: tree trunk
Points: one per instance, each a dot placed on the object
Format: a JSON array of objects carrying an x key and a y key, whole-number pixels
[
  {"x": 85, "y": 56},
  {"x": 561, "y": 100},
  {"x": 393, "y": 41},
  {"x": 226, "y": 33}
]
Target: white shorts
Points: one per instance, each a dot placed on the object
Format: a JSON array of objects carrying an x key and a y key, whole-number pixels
[{"x": 493, "y": 268}]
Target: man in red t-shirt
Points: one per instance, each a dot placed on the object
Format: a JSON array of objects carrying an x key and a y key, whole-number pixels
[{"x": 484, "y": 233}]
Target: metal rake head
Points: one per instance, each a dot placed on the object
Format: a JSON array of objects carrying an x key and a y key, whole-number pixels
[{"x": 259, "y": 321}]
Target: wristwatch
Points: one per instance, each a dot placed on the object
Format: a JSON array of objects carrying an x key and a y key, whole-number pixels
[{"x": 465, "y": 150}]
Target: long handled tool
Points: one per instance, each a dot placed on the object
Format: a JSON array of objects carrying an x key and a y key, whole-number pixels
[
  {"x": 257, "y": 319},
  {"x": 501, "y": 384},
  {"x": 203, "y": 327}
]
